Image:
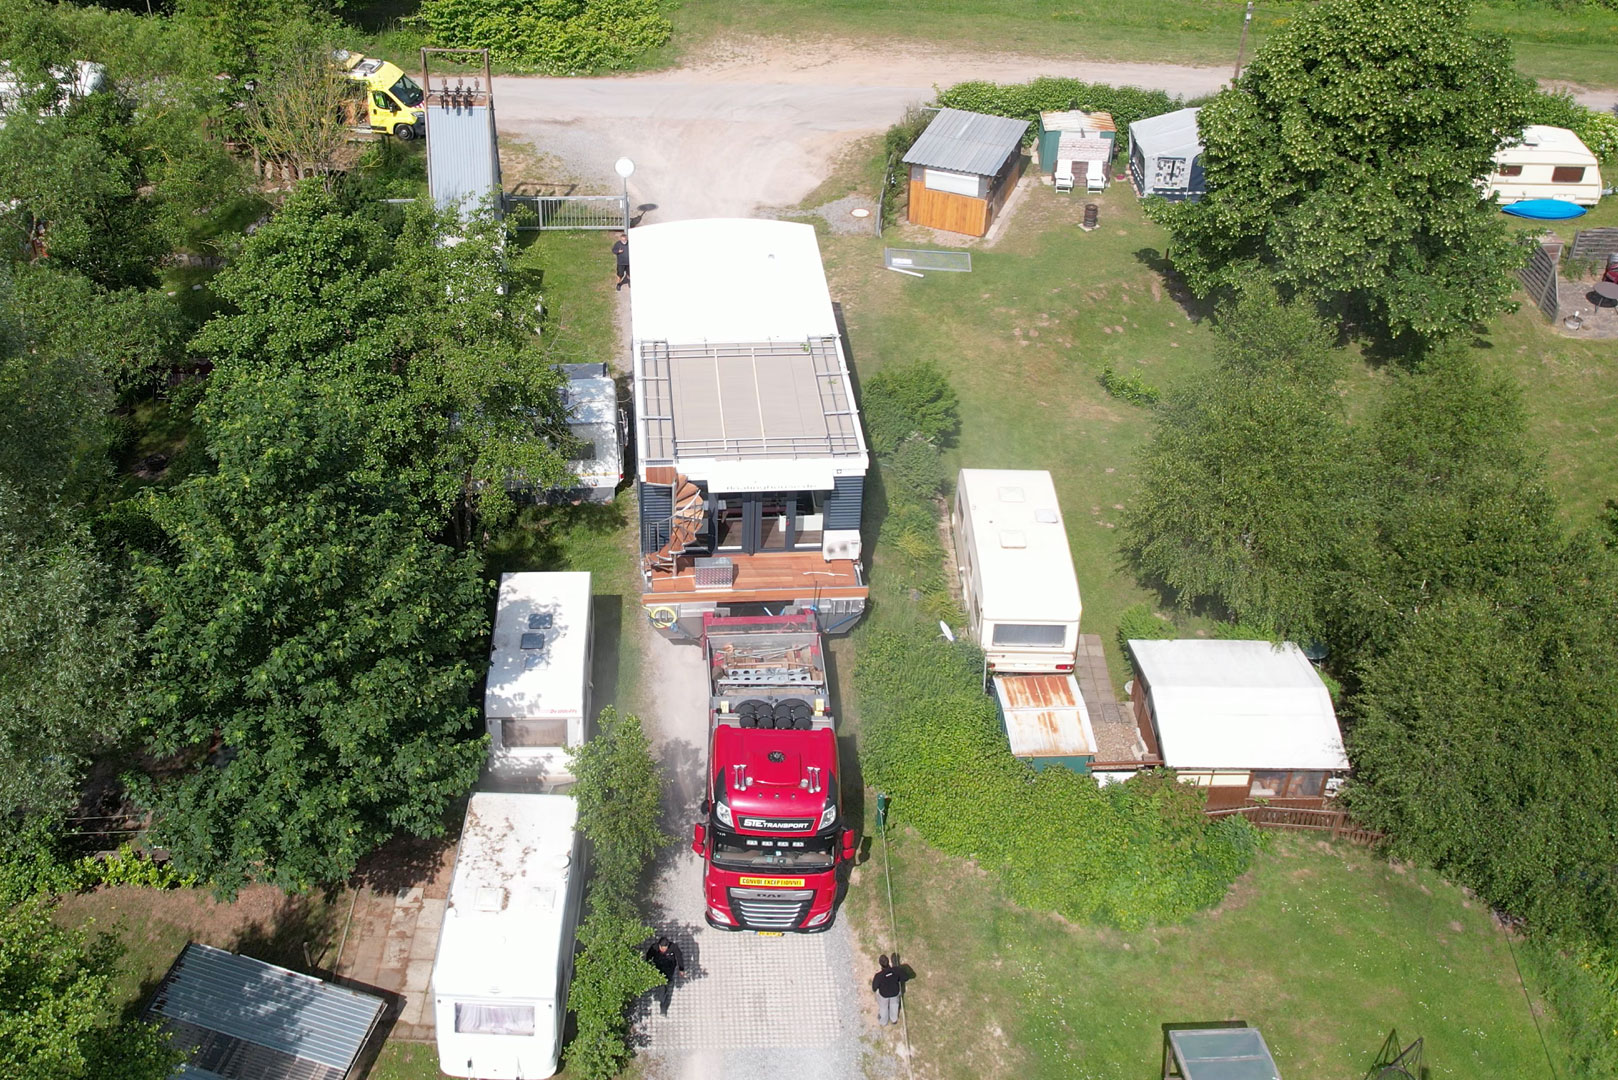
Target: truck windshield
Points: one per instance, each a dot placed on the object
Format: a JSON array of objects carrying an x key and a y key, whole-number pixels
[
  {"x": 732, "y": 851},
  {"x": 407, "y": 91}
]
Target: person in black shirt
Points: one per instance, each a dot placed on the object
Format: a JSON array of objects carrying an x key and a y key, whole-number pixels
[
  {"x": 664, "y": 955},
  {"x": 620, "y": 251},
  {"x": 888, "y": 982}
]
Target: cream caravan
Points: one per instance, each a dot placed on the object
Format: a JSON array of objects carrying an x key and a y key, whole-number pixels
[
  {"x": 537, "y": 698},
  {"x": 1546, "y": 163}
]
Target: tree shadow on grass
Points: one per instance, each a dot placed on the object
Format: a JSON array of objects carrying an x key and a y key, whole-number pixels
[{"x": 1174, "y": 285}]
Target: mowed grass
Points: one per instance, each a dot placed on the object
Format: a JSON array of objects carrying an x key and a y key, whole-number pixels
[
  {"x": 1325, "y": 948},
  {"x": 1577, "y": 43}
]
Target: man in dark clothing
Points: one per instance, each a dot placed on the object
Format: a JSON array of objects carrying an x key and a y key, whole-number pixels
[
  {"x": 664, "y": 955},
  {"x": 620, "y": 251},
  {"x": 888, "y": 982}
]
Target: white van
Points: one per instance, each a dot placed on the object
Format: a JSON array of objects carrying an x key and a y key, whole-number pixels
[
  {"x": 1546, "y": 163},
  {"x": 505, "y": 951},
  {"x": 1022, "y": 596},
  {"x": 537, "y": 698}
]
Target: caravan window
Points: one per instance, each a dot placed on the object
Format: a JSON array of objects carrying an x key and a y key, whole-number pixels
[
  {"x": 1030, "y": 634},
  {"x": 1508, "y": 170},
  {"x": 550, "y": 731},
  {"x": 1567, "y": 174},
  {"x": 494, "y": 1019}
]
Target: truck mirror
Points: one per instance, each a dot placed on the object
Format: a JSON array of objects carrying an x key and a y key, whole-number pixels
[
  {"x": 706, "y": 807},
  {"x": 851, "y": 841},
  {"x": 699, "y": 839}
]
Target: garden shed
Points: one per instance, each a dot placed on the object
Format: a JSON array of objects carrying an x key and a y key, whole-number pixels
[
  {"x": 243, "y": 1019},
  {"x": 962, "y": 169},
  {"x": 1087, "y": 140},
  {"x": 1165, "y": 155},
  {"x": 1244, "y": 719}
]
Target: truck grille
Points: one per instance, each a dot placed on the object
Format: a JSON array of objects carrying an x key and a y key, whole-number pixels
[{"x": 770, "y": 909}]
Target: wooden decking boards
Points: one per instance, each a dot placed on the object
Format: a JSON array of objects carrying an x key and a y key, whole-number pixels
[{"x": 781, "y": 575}]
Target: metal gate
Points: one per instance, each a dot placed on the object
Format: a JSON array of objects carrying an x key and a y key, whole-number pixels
[{"x": 570, "y": 211}]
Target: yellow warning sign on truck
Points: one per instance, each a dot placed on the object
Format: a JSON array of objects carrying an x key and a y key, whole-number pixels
[{"x": 775, "y": 882}]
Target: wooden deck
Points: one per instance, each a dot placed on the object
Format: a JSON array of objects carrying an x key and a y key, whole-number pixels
[{"x": 767, "y": 578}]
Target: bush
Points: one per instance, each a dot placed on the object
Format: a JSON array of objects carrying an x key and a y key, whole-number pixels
[
  {"x": 1140, "y": 623},
  {"x": 1126, "y": 854},
  {"x": 617, "y": 794},
  {"x": 912, "y": 399},
  {"x": 1598, "y": 130},
  {"x": 1131, "y": 388},
  {"x": 895, "y": 144},
  {"x": 1025, "y": 101},
  {"x": 558, "y": 37}
]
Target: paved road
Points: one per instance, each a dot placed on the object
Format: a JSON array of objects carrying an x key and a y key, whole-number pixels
[
  {"x": 765, "y": 126},
  {"x": 750, "y": 1007}
]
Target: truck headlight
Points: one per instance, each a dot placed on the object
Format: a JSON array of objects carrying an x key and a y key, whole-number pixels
[
  {"x": 827, "y": 816},
  {"x": 816, "y": 920},
  {"x": 722, "y": 812},
  {"x": 720, "y": 914}
]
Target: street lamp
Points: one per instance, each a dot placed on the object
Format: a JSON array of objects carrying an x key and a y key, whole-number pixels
[{"x": 625, "y": 169}]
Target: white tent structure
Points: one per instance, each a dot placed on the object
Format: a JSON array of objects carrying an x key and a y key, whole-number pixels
[
  {"x": 1165, "y": 155},
  {"x": 1248, "y": 719}
]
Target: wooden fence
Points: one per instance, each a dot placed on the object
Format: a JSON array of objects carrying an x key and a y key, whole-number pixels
[
  {"x": 1539, "y": 278},
  {"x": 1594, "y": 244},
  {"x": 1296, "y": 819}
]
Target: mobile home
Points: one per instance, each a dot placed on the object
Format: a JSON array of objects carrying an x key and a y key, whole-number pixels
[
  {"x": 593, "y": 418},
  {"x": 748, "y": 443},
  {"x": 537, "y": 699},
  {"x": 1022, "y": 606},
  {"x": 505, "y": 951},
  {"x": 1545, "y": 163}
]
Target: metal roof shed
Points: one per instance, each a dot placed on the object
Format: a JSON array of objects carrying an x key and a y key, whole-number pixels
[
  {"x": 1165, "y": 155},
  {"x": 1217, "y": 1053},
  {"x": 1093, "y": 135},
  {"x": 962, "y": 168},
  {"x": 249, "y": 1020}
]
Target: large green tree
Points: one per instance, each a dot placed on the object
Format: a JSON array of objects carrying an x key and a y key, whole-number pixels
[
  {"x": 312, "y": 652},
  {"x": 1241, "y": 492},
  {"x": 58, "y": 1007},
  {"x": 1345, "y": 159}
]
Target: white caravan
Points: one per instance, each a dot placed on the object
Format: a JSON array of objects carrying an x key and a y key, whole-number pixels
[
  {"x": 537, "y": 698},
  {"x": 505, "y": 952},
  {"x": 1546, "y": 163}
]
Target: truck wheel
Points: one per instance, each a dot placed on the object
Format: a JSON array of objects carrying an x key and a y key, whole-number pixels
[{"x": 404, "y": 132}]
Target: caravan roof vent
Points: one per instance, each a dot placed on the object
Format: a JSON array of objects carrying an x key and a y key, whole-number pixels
[
  {"x": 533, "y": 641},
  {"x": 541, "y": 620},
  {"x": 1011, "y": 494},
  {"x": 490, "y": 898},
  {"x": 1046, "y": 516},
  {"x": 1530, "y": 137},
  {"x": 1013, "y": 538}
]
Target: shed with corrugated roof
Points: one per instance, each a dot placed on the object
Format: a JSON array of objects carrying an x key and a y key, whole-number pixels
[
  {"x": 963, "y": 168},
  {"x": 1088, "y": 139}
]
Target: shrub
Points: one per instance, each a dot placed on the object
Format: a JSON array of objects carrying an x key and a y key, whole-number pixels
[
  {"x": 915, "y": 470},
  {"x": 912, "y": 399},
  {"x": 895, "y": 144},
  {"x": 1140, "y": 623},
  {"x": 1598, "y": 130},
  {"x": 1025, "y": 101},
  {"x": 558, "y": 37},
  {"x": 1131, "y": 388}
]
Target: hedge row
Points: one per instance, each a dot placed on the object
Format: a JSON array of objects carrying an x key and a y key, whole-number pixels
[
  {"x": 1026, "y": 101},
  {"x": 557, "y": 37}
]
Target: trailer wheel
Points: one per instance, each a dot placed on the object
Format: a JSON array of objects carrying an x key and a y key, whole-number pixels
[{"x": 404, "y": 132}]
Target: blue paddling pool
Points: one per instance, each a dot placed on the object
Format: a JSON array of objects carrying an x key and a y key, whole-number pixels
[{"x": 1545, "y": 209}]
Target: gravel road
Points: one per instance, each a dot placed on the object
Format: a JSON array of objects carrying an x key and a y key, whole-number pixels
[{"x": 763, "y": 125}]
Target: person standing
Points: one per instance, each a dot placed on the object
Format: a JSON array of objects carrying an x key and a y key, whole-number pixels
[
  {"x": 620, "y": 251},
  {"x": 664, "y": 955},
  {"x": 888, "y": 983}
]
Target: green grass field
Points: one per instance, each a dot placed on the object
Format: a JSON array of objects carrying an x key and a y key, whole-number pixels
[{"x": 1325, "y": 948}]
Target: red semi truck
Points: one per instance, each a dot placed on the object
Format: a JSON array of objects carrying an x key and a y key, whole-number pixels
[{"x": 771, "y": 838}]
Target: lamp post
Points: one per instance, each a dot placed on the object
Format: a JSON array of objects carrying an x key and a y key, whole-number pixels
[
  {"x": 1241, "y": 46},
  {"x": 625, "y": 169}
]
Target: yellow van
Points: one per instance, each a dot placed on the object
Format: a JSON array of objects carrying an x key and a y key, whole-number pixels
[{"x": 393, "y": 99}]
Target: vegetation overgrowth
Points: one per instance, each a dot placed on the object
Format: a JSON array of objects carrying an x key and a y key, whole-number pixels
[{"x": 571, "y": 37}]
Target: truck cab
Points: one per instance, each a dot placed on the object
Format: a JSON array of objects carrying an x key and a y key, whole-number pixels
[
  {"x": 393, "y": 100},
  {"x": 771, "y": 838}
]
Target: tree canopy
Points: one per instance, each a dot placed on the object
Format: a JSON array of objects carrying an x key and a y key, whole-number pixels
[{"x": 1345, "y": 159}]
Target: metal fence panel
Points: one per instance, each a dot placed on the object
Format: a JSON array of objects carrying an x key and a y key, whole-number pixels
[
  {"x": 571, "y": 211},
  {"x": 915, "y": 259}
]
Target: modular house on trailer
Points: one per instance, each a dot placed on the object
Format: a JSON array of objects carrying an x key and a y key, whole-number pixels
[
  {"x": 536, "y": 701},
  {"x": 1545, "y": 163},
  {"x": 1165, "y": 156},
  {"x": 505, "y": 951},
  {"x": 962, "y": 170},
  {"x": 1075, "y": 148},
  {"x": 1245, "y": 719},
  {"x": 1022, "y": 606},
  {"x": 751, "y": 463}
]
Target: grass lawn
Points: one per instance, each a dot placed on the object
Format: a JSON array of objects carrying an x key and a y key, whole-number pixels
[
  {"x": 1325, "y": 948},
  {"x": 1575, "y": 43}
]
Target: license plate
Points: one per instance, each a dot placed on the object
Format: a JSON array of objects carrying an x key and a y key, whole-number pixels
[
  {"x": 769, "y": 933},
  {"x": 774, "y": 882}
]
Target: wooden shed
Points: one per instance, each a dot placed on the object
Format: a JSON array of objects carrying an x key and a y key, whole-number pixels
[
  {"x": 1087, "y": 139},
  {"x": 962, "y": 169}
]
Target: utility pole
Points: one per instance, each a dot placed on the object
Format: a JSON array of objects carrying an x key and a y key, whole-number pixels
[{"x": 1242, "y": 46}]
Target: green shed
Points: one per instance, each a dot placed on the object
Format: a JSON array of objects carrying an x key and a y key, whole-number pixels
[{"x": 1076, "y": 124}]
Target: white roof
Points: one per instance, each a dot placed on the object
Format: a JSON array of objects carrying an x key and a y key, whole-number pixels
[
  {"x": 547, "y": 679},
  {"x": 728, "y": 280},
  {"x": 1170, "y": 134},
  {"x": 503, "y": 924},
  {"x": 591, "y": 398},
  {"x": 1024, "y": 566},
  {"x": 1238, "y": 705},
  {"x": 1545, "y": 145}
]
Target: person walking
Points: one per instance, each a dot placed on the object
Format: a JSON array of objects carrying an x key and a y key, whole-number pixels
[
  {"x": 664, "y": 955},
  {"x": 888, "y": 983},
  {"x": 620, "y": 251}
]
